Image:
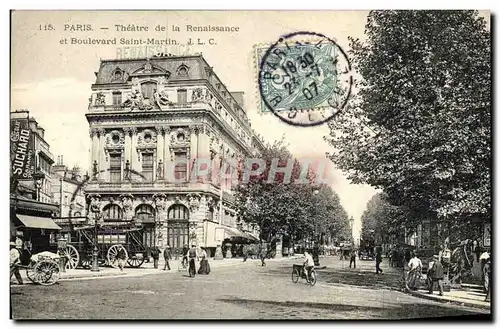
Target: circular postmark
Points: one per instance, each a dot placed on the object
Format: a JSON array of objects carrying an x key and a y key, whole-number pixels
[{"x": 305, "y": 78}]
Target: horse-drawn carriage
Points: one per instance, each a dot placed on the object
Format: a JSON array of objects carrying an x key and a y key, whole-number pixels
[
  {"x": 345, "y": 251},
  {"x": 109, "y": 238}
]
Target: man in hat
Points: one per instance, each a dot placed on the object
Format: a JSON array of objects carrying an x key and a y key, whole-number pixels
[
  {"x": 15, "y": 260},
  {"x": 167, "y": 255},
  {"x": 193, "y": 256},
  {"x": 437, "y": 275}
]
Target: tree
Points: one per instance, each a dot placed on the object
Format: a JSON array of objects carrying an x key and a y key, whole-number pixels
[
  {"x": 292, "y": 208},
  {"x": 382, "y": 222},
  {"x": 419, "y": 124}
]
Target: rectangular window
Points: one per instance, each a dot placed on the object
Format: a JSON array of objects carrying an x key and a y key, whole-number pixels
[
  {"x": 147, "y": 166},
  {"x": 180, "y": 172},
  {"x": 115, "y": 167},
  {"x": 117, "y": 97},
  {"x": 182, "y": 96}
]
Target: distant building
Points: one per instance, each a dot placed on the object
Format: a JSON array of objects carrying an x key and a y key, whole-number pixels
[
  {"x": 149, "y": 120},
  {"x": 31, "y": 209},
  {"x": 67, "y": 190},
  {"x": 39, "y": 187}
]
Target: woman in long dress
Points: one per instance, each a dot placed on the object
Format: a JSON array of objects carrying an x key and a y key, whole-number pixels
[
  {"x": 414, "y": 273},
  {"x": 204, "y": 265}
]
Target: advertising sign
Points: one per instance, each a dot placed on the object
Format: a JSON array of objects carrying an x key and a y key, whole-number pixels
[
  {"x": 219, "y": 234},
  {"x": 22, "y": 154}
]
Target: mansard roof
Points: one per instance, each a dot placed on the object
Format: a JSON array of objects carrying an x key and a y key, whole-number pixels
[{"x": 175, "y": 67}]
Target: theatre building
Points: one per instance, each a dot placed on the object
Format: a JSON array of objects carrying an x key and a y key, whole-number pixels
[{"x": 150, "y": 120}]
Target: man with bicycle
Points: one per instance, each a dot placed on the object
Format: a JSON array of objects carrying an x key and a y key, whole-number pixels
[{"x": 308, "y": 264}]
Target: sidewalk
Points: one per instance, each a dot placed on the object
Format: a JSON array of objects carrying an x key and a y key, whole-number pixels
[
  {"x": 145, "y": 269},
  {"x": 468, "y": 295}
]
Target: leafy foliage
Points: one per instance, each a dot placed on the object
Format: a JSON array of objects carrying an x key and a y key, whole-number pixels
[
  {"x": 381, "y": 220},
  {"x": 419, "y": 124},
  {"x": 292, "y": 208}
]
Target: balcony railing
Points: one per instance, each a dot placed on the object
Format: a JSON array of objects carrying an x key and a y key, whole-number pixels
[{"x": 121, "y": 108}]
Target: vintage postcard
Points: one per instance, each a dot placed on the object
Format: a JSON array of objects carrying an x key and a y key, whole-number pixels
[{"x": 261, "y": 165}]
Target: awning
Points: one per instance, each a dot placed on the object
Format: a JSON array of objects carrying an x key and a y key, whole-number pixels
[
  {"x": 253, "y": 237},
  {"x": 234, "y": 233},
  {"x": 250, "y": 236},
  {"x": 230, "y": 232},
  {"x": 38, "y": 222}
]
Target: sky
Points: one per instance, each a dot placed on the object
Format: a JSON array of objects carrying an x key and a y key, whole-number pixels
[{"x": 53, "y": 80}]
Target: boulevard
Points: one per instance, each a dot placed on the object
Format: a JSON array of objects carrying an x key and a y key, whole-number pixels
[{"x": 240, "y": 291}]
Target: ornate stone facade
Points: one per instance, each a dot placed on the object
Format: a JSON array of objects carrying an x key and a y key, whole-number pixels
[{"x": 148, "y": 124}]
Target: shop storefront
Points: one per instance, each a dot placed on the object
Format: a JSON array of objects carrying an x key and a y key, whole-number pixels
[{"x": 31, "y": 225}]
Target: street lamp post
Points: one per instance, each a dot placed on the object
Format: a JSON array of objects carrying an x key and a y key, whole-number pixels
[
  {"x": 315, "y": 237},
  {"x": 351, "y": 222},
  {"x": 95, "y": 251},
  {"x": 61, "y": 246}
]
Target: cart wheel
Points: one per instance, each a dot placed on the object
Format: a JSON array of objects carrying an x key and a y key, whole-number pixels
[
  {"x": 295, "y": 276},
  {"x": 72, "y": 257},
  {"x": 135, "y": 261},
  {"x": 46, "y": 272},
  {"x": 113, "y": 252},
  {"x": 30, "y": 272},
  {"x": 312, "y": 279}
]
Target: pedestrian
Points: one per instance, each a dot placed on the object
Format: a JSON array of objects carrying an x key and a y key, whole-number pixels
[
  {"x": 415, "y": 271},
  {"x": 185, "y": 250},
  {"x": 353, "y": 258},
  {"x": 156, "y": 256},
  {"x": 15, "y": 261},
  {"x": 378, "y": 260},
  {"x": 436, "y": 275},
  {"x": 193, "y": 257},
  {"x": 245, "y": 253},
  {"x": 204, "y": 265},
  {"x": 407, "y": 255},
  {"x": 487, "y": 270},
  {"x": 121, "y": 258},
  {"x": 263, "y": 252},
  {"x": 167, "y": 256},
  {"x": 485, "y": 256}
]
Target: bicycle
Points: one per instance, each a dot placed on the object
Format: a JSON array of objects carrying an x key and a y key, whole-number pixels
[
  {"x": 182, "y": 266},
  {"x": 192, "y": 268},
  {"x": 299, "y": 272}
]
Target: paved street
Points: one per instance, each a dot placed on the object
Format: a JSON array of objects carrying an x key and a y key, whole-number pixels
[{"x": 243, "y": 291}]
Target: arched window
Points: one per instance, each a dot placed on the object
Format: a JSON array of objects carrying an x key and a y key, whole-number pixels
[
  {"x": 112, "y": 212},
  {"x": 145, "y": 212},
  {"x": 178, "y": 212},
  {"x": 177, "y": 228},
  {"x": 77, "y": 214}
]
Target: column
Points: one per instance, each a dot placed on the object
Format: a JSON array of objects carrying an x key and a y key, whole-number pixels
[
  {"x": 167, "y": 161},
  {"x": 200, "y": 230},
  {"x": 134, "y": 161},
  {"x": 193, "y": 153},
  {"x": 160, "y": 140},
  {"x": 101, "y": 156},
  {"x": 216, "y": 168},
  {"x": 127, "y": 145},
  {"x": 204, "y": 151},
  {"x": 93, "y": 148}
]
